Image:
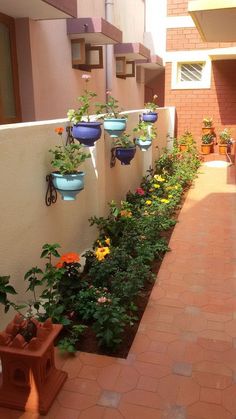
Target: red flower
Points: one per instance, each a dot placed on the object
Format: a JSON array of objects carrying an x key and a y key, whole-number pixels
[
  {"x": 59, "y": 130},
  {"x": 140, "y": 191},
  {"x": 68, "y": 258}
]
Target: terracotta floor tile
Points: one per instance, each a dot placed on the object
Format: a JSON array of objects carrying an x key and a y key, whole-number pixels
[
  {"x": 229, "y": 399},
  {"x": 206, "y": 379},
  {"x": 95, "y": 412},
  {"x": 208, "y": 411},
  {"x": 147, "y": 383},
  {"x": 83, "y": 385},
  {"x": 75, "y": 401},
  {"x": 210, "y": 395},
  {"x": 111, "y": 414},
  {"x": 89, "y": 372},
  {"x": 127, "y": 379},
  {"x": 131, "y": 411},
  {"x": 143, "y": 398}
]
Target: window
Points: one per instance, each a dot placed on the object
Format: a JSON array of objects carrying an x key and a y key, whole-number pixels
[
  {"x": 191, "y": 75},
  {"x": 9, "y": 90}
]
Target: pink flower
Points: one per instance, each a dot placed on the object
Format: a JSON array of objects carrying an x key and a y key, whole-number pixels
[
  {"x": 108, "y": 92},
  {"x": 102, "y": 300},
  {"x": 86, "y": 76},
  {"x": 140, "y": 191}
]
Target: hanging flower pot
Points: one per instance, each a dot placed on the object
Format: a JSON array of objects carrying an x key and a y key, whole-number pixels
[
  {"x": 115, "y": 126},
  {"x": 150, "y": 117},
  {"x": 68, "y": 185},
  {"x": 125, "y": 155},
  {"x": 144, "y": 145},
  {"x": 87, "y": 132}
]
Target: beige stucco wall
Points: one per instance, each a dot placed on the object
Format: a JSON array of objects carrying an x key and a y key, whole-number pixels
[{"x": 27, "y": 223}]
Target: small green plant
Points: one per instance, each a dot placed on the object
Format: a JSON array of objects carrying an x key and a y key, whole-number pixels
[
  {"x": 225, "y": 136},
  {"x": 152, "y": 106},
  {"x": 186, "y": 139},
  {"x": 68, "y": 343},
  {"x": 67, "y": 158},
  {"x": 145, "y": 130},
  {"x": 124, "y": 141},
  {"x": 85, "y": 102},
  {"x": 110, "y": 109},
  {"x": 207, "y": 122},
  {"x": 207, "y": 138}
]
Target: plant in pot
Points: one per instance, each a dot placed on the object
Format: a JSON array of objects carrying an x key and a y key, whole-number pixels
[
  {"x": 145, "y": 133},
  {"x": 114, "y": 122},
  {"x": 208, "y": 129},
  {"x": 27, "y": 350},
  {"x": 124, "y": 149},
  {"x": 66, "y": 178},
  {"x": 225, "y": 141},
  {"x": 207, "y": 141},
  {"x": 84, "y": 130},
  {"x": 185, "y": 141},
  {"x": 150, "y": 114}
]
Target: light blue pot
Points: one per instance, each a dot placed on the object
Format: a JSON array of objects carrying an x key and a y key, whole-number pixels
[
  {"x": 143, "y": 145},
  {"x": 68, "y": 185},
  {"x": 114, "y": 126}
]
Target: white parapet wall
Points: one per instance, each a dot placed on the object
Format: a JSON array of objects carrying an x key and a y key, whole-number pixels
[{"x": 27, "y": 223}]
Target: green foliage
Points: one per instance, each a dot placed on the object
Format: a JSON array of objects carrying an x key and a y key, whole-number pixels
[
  {"x": 85, "y": 102},
  {"x": 225, "y": 136},
  {"x": 110, "y": 109},
  {"x": 207, "y": 138},
  {"x": 124, "y": 141},
  {"x": 145, "y": 130},
  {"x": 68, "y": 343},
  {"x": 152, "y": 106},
  {"x": 67, "y": 158}
]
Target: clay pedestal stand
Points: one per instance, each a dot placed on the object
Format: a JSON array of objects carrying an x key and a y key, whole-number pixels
[{"x": 30, "y": 380}]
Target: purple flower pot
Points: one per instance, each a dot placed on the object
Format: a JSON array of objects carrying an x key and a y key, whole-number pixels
[
  {"x": 125, "y": 155},
  {"x": 150, "y": 117},
  {"x": 87, "y": 132}
]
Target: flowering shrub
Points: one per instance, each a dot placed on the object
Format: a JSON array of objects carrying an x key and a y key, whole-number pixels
[{"x": 85, "y": 102}]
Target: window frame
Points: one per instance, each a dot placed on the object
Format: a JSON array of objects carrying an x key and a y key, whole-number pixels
[
  {"x": 9, "y": 22},
  {"x": 204, "y": 83}
]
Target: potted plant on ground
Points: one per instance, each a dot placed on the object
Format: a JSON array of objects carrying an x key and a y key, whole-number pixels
[
  {"x": 67, "y": 180},
  {"x": 185, "y": 141},
  {"x": 225, "y": 141},
  {"x": 84, "y": 130},
  {"x": 114, "y": 122},
  {"x": 150, "y": 115},
  {"x": 27, "y": 356},
  {"x": 145, "y": 132},
  {"x": 124, "y": 149},
  {"x": 207, "y": 141}
]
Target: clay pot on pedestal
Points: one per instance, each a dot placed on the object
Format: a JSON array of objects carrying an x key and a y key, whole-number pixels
[{"x": 30, "y": 380}]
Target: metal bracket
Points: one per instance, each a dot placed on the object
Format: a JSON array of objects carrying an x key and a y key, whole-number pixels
[
  {"x": 113, "y": 157},
  {"x": 70, "y": 138},
  {"x": 51, "y": 194}
]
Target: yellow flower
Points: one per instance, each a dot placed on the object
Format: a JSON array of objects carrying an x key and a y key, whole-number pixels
[
  {"x": 156, "y": 186},
  {"x": 170, "y": 196},
  {"x": 148, "y": 202},
  {"x": 165, "y": 201},
  {"x": 169, "y": 188},
  {"x": 107, "y": 241},
  {"x": 101, "y": 252},
  {"x": 126, "y": 213},
  {"x": 159, "y": 178}
]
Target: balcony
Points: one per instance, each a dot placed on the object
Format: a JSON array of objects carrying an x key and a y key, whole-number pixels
[
  {"x": 215, "y": 20},
  {"x": 39, "y": 9}
]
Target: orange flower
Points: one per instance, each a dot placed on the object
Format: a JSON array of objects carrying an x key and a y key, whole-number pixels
[
  {"x": 68, "y": 258},
  {"x": 59, "y": 130}
]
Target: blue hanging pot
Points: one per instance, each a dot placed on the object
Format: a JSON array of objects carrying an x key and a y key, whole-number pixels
[
  {"x": 125, "y": 155},
  {"x": 115, "y": 126},
  {"x": 87, "y": 132},
  {"x": 68, "y": 185},
  {"x": 150, "y": 117},
  {"x": 144, "y": 145}
]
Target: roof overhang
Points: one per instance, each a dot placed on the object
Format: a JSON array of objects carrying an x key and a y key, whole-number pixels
[
  {"x": 153, "y": 63},
  {"x": 39, "y": 9},
  {"x": 132, "y": 51},
  {"x": 214, "y": 19},
  {"x": 94, "y": 30}
]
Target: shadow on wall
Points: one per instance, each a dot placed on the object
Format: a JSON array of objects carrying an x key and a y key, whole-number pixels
[
  {"x": 154, "y": 85},
  {"x": 225, "y": 84}
]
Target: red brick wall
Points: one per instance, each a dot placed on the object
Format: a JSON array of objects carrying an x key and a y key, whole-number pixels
[
  {"x": 193, "y": 105},
  {"x": 179, "y": 39},
  {"x": 154, "y": 85},
  {"x": 177, "y": 7}
]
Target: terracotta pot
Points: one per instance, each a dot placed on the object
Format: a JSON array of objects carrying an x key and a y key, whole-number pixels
[
  {"x": 30, "y": 380},
  {"x": 208, "y": 130},
  {"x": 223, "y": 149},
  {"x": 205, "y": 148},
  {"x": 183, "y": 147}
]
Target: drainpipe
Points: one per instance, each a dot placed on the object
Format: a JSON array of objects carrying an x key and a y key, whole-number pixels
[{"x": 109, "y": 4}]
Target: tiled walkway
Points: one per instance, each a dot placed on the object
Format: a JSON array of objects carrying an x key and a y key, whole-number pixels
[{"x": 182, "y": 364}]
